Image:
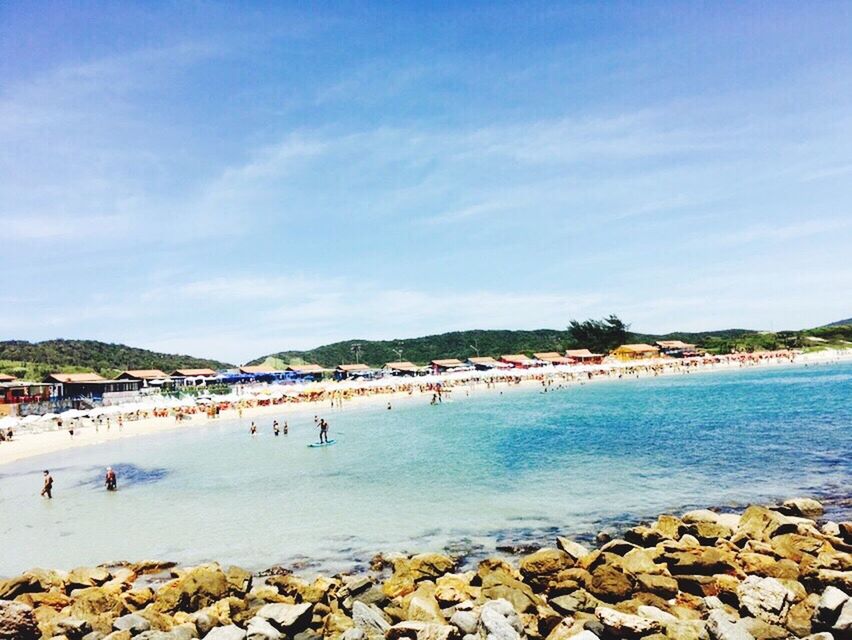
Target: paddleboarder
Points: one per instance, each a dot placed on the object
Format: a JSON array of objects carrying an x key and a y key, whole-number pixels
[{"x": 323, "y": 427}]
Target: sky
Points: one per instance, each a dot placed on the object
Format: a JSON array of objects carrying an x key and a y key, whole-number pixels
[{"x": 234, "y": 179}]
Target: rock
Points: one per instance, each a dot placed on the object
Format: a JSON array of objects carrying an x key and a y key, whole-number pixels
[
  {"x": 197, "y": 588},
  {"x": 13, "y": 587},
  {"x": 496, "y": 623},
  {"x": 800, "y": 616},
  {"x": 840, "y": 579},
  {"x": 625, "y": 625},
  {"x": 829, "y": 606},
  {"x": 131, "y": 622},
  {"x": 585, "y": 634},
  {"x": 419, "y": 630},
  {"x": 802, "y": 507},
  {"x": 819, "y": 636},
  {"x": 465, "y": 621},
  {"x": 702, "y": 561},
  {"x": 574, "y": 550},
  {"x": 663, "y": 586},
  {"x": 353, "y": 634},
  {"x": 618, "y": 546},
  {"x": 135, "y": 599},
  {"x": 452, "y": 588},
  {"x": 543, "y": 564},
  {"x": 795, "y": 547},
  {"x": 425, "y": 566},
  {"x": 369, "y": 618},
  {"x": 500, "y": 586},
  {"x": 709, "y": 532},
  {"x": 762, "y": 630},
  {"x": 610, "y": 583},
  {"x": 721, "y": 627},
  {"x": 638, "y": 561},
  {"x": 579, "y": 600},
  {"x": 765, "y": 598},
  {"x": 289, "y": 618},
  {"x": 700, "y": 515},
  {"x": 844, "y": 620},
  {"x": 670, "y": 526},
  {"x": 644, "y": 536},
  {"x": 229, "y": 632},
  {"x": 759, "y": 523},
  {"x": 260, "y": 629},
  {"x": 423, "y": 607},
  {"x": 73, "y": 628},
  {"x": 239, "y": 580},
  {"x": 87, "y": 577}
]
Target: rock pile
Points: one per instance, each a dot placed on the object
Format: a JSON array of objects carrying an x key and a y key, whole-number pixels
[{"x": 765, "y": 574}]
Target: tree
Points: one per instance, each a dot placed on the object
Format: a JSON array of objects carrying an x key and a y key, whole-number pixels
[{"x": 600, "y": 336}]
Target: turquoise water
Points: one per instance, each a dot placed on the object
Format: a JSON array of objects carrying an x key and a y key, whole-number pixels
[{"x": 479, "y": 472}]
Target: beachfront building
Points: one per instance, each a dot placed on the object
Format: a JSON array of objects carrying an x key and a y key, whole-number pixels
[
  {"x": 15, "y": 392},
  {"x": 487, "y": 363},
  {"x": 627, "y": 352},
  {"x": 146, "y": 377},
  {"x": 448, "y": 365},
  {"x": 91, "y": 386},
  {"x": 518, "y": 360},
  {"x": 5, "y": 377},
  {"x": 311, "y": 372},
  {"x": 583, "y": 356},
  {"x": 551, "y": 357},
  {"x": 193, "y": 377},
  {"x": 402, "y": 368},
  {"x": 354, "y": 372},
  {"x": 678, "y": 349}
]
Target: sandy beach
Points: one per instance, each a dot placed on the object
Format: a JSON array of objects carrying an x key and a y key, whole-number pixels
[{"x": 27, "y": 444}]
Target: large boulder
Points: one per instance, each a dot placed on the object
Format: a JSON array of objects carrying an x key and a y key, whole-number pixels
[
  {"x": 288, "y": 618},
  {"x": 370, "y": 619},
  {"x": 452, "y": 588},
  {"x": 700, "y": 561},
  {"x": 500, "y": 621},
  {"x": 611, "y": 584},
  {"x": 760, "y": 523},
  {"x": 625, "y": 625},
  {"x": 765, "y": 598},
  {"x": 419, "y": 630},
  {"x": 132, "y": 622},
  {"x": 17, "y": 622},
  {"x": 197, "y": 588},
  {"x": 721, "y": 627},
  {"x": 260, "y": 629},
  {"x": 82, "y": 577},
  {"x": 802, "y": 507},
  {"x": 228, "y": 632},
  {"x": 502, "y": 586},
  {"x": 542, "y": 565},
  {"x": 575, "y": 550},
  {"x": 828, "y": 608}
]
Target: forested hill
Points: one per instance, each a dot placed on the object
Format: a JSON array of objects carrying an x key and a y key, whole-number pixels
[
  {"x": 33, "y": 360},
  {"x": 462, "y": 345}
]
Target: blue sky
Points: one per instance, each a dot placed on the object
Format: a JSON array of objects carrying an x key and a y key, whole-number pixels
[{"x": 232, "y": 180}]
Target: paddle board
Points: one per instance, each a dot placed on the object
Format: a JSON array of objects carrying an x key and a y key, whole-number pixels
[{"x": 314, "y": 445}]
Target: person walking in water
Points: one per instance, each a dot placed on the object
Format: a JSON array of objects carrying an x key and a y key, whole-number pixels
[
  {"x": 47, "y": 489},
  {"x": 275, "y": 429},
  {"x": 253, "y": 430},
  {"x": 110, "y": 480},
  {"x": 323, "y": 427},
  {"x": 286, "y": 428}
]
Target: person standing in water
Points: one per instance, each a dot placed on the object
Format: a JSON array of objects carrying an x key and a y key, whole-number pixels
[
  {"x": 253, "y": 430},
  {"x": 275, "y": 429},
  {"x": 286, "y": 428},
  {"x": 47, "y": 489},
  {"x": 110, "y": 480}
]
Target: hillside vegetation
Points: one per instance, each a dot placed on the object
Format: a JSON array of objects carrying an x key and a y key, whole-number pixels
[
  {"x": 34, "y": 360},
  {"x": 464, "y": 344}
]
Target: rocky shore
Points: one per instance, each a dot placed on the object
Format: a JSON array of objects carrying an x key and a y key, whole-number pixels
[{"x": 766, "y": 573}]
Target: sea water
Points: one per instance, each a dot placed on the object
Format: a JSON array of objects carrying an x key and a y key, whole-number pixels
[{"x": 483, "y": 471}]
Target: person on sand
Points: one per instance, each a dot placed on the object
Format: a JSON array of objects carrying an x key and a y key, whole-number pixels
[
  {"x": 110, "y": 480},
  {"x": 47, "y": 489},
  {"x": 323, "y": 427},
  {"x": 275, "y": 429}
]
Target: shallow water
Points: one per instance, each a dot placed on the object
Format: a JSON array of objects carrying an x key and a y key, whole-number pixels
[{"x": 470, "y": 475}]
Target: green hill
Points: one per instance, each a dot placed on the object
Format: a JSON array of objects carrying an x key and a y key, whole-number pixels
[
  {"x": 33, "y": 360},
  {"x": 464, "y": 344}
]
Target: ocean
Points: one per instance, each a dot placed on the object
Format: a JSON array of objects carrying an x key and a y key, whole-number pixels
[{"x": 481, "y": 473}]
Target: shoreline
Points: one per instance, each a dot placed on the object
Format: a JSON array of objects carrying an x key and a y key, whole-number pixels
[
  {"x": 30, "y": 445},
  {"x": 755, "y": 572}
]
